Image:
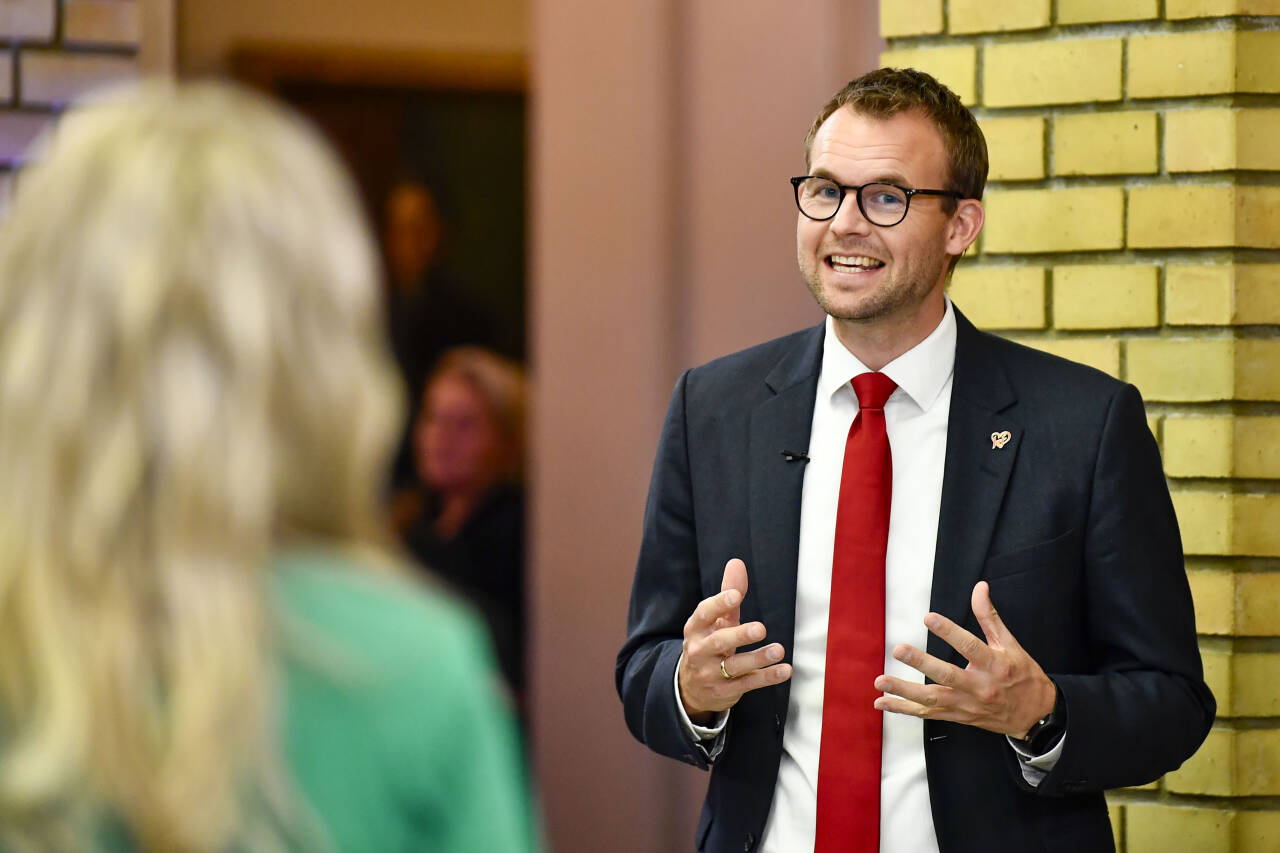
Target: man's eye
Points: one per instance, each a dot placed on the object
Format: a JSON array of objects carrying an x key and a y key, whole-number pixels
[{"x": 886, "y": 199}]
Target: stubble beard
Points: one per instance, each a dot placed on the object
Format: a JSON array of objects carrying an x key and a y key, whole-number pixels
[{"x": 902, "y": 289}]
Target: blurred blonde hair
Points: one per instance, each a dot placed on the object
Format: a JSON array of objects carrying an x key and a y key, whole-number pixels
[
  {"x": 501, "y": 385},
  {"x": 191, "y": 366}
]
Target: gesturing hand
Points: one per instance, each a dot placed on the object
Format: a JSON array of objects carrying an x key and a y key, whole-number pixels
[
  {"x": 711, "y": 639},
  {"x": 1001, "y": 690}
]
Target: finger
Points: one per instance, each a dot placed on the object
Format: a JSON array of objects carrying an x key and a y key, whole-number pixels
[
  {"x": 727, "y": 640},
  {"x": 735, "y": 577},
  {"x": 937, "y": 670},
  {"x": 927, "y": 695},
  {"x": 744, "y": 663},
  {"x": 992, "y": 625},
  {"x": 974, "y": 650},
  {"x": 710, "y": 609},
  {"x": 898, "y": 705},
  {"x": 755, "y": 679}
]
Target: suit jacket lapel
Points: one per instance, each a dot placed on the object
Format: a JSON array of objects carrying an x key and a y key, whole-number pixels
[
  {"x": 975, "y": 476},
  {"x": 781, "y": 422}
]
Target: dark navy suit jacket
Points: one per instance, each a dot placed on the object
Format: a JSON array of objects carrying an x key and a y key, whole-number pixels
[{"x": 1070, "y": 523}]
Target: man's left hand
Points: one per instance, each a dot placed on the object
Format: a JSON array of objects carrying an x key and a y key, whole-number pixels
[{"x": 1001, "y": 690}]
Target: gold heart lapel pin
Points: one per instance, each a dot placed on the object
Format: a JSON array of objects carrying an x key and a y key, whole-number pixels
[{"x": 1000, "y": 439}]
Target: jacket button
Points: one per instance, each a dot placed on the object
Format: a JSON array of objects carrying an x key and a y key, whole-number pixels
[
  {"x": 777, "y": 722},
  {"x": 749, "y": 843}
]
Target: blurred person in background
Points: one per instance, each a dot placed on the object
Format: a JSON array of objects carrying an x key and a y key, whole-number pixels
[
  {"x": 427, "y": 312},
  {"x": 206, "y": 645},
  {"x": 469, "y": 453}
]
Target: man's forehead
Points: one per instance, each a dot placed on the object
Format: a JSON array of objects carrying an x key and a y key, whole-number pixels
[{"x": 905, "y": 139}]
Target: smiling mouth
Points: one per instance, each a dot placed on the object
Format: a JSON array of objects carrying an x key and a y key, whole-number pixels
[{"x": 854, "y": 263}]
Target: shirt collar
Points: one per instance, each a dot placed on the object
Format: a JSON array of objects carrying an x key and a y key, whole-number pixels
[{"x": 921, "y": 372}]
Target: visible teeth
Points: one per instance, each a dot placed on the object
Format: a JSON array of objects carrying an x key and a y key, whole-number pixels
[{"x": 855, "y": 261}]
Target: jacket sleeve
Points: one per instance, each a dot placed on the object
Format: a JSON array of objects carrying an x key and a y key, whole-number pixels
[
  {"x": 1144, "y": 708},
  {"x": 664, "y": 594}
]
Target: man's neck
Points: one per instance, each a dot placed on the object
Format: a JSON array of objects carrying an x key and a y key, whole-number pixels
[{"x": 880, "y": 340}]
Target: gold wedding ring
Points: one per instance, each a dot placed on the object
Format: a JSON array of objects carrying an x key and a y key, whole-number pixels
[{"x": 724, "y": 671}]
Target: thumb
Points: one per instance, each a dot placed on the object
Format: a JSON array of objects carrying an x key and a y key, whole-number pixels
[
  {"x": 992, "y": 625},
  {"x": 735, "y": 577}
]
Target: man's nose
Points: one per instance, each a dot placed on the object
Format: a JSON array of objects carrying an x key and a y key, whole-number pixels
[{"x": 849, "y": 218}]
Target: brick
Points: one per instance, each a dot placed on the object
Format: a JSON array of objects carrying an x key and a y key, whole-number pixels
[
  {"x": 1222, "y": 294},
  {"x": 1257, "y": 294},
  {"x": 1222, "y": 446},
  {"x": 1258, "y": 369},
  {"x": 983, "y": 16},
  {"x": 1182, "y": 370},
  {"x": 1181, "y": 64},
  {"x": 910, "y": 18},
  {"x": 1101, "y": 11},
  {"x": 1015, "y": 147},
  {"x": 18, "y": 131},
  {"x": 1218, "y": 672},
  {"x": 1258, "y": 763},
  {"x": 1105, "y": 144},
  {"x": 1200, "y": 294},
  {"x": 1210, "y": 771},
  {"x": 1181, "y": 9},
  {"x": 1254, "y": 680},
  {"x": 1257, "y": 533},
  {"x": 1221, "y": 139},
  {"x": 1205, "y": 521},
  {"x": 1257, "y": 832},
  {"x": 1212, "y": 590},
  {"x": 53, "y": 77},
  {"x": 1258, "y": 62},
  {"x": 1258, "y": 604},
  {"x": 1257, "y": 447},
  {"x": 1099, "y": 353},
  {"x": 1063, "y": 71},
  {"x": 27, "y": 20},
  {"x": 1111, "y": 296},
  {"x": 1199, "y": 446},
  {"x": 1000, "y": 297},
  {"x": 1055, "y": 220},
  {"x": 1151, "y": 827},
  {"x": 1182, "y": 216},
  {"x": 1246, "y": 525},
  {"x": 1258, "y": 217},
  {"x": 1200, "y": 140},
  {"x": 956, "y": 67},
  {"x": 105, "y": 22}
]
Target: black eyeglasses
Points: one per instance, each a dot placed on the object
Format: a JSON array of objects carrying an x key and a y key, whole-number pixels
[{"x": 882, "y": 204}]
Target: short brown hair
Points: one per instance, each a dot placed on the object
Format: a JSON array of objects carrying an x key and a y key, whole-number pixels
[{"x": 887, "y": 92}]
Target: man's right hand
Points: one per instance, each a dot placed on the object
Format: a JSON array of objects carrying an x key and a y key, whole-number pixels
[{"x": 711, "y": 638}]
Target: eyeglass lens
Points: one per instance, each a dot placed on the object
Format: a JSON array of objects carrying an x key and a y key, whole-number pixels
[{"x": 882, "y": 204}]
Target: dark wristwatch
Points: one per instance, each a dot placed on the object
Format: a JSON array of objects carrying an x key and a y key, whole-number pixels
[{"x": 1042, "y": 736}]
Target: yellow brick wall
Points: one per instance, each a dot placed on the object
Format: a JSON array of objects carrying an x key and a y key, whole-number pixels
[
  {"x": 54, "y": 51},
  {"x": 1133, "y": 224}
]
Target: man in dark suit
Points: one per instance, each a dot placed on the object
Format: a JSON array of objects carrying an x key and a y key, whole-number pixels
[{"x": 866, "y": 493}]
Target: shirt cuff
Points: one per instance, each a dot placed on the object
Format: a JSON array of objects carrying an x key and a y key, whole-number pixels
[
  {"x": 1036, "y": 767},
  {"x": 709, "y": 739}
]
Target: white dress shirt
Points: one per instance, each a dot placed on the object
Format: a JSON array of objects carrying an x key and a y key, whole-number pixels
[{"x": 916, "y": 416}]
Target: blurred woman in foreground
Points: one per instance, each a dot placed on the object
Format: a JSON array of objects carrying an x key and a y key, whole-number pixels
[{"x": 203, "y": 644}]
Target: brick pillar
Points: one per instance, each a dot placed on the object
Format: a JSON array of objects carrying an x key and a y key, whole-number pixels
[
  {"x": 1133, "y": 224},
  {"x": 56, "y": 50}
]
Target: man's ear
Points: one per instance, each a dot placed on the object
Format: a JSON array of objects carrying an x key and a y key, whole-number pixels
[{"x": 964, "y": 226}]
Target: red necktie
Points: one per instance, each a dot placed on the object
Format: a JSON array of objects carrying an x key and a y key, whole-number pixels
[{"x": 849, "y": 757}]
